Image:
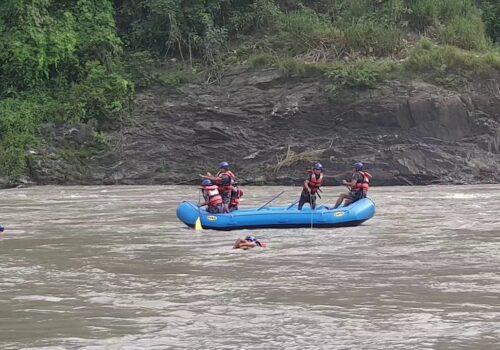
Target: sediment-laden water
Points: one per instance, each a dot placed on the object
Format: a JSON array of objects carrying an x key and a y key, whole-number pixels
[{"x": 112, "y": 268}]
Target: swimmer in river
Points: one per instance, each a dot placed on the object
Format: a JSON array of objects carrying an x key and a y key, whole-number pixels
[{"x": 248, "y": 243}]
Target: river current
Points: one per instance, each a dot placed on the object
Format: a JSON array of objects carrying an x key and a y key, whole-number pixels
[{"x": 112, "y": 268}]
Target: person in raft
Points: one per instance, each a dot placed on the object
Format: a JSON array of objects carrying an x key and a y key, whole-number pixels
[
  {"x": 227, "y": 185},
  {"x": 358, "y": 187},
  {"x": 213, "y": 199},
  {"x": 248, "y": 243},
  {"x": 311, "y": 186}
]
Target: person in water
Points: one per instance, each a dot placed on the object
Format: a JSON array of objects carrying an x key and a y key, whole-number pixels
[
  {"x": 227, "y": 185},
  {"x": 311, "y": 186},
  {"x": 358, "y": 187},
  {"x": 248, "y": 243},
  {"x": 213, "y": 199}
]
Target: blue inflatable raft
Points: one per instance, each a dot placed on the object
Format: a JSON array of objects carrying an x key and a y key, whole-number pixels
[{"x": 278, "y": 217}]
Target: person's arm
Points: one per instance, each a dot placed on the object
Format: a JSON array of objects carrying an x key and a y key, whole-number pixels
[
  {"x": 224, "y": 180},
  {"x": 242, "y": 244},
  {"x": 306, "y": 186},
  {"x": 354, "y": 180},
  {"x": 215, "y": 179},
  {"x": 247, "y": 245},
  {"x": 237, "y": 243}
]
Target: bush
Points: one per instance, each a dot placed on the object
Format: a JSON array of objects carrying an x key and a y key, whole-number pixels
[
  {"x": 144, "y": 70},
  {"x": 304, "y": 30},
  {"x": 491, "y": 18},
  {"x": 259, "y": 15},
  {"x": 19, "y": 120},
  {"x": 427, "y": 57},
  {"x": 424, "y": 13},
  {"x": 465, "y": 32},
  {"x": 102, "y": 96},
  {"x": 371, "y": 37},
  {"x": 360, "y": 74},
  {"x": 263, "y": 60}
]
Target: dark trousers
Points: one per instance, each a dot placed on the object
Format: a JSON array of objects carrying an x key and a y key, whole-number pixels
[
  {"x": 306, "y": 197},
  {"x": 215, "y": 209}
]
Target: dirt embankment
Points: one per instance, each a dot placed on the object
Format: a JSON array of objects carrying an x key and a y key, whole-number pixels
[{"x": 271, "y": 128}]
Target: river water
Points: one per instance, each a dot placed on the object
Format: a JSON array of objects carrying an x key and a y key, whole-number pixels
[{"x": 112, "y": 268}]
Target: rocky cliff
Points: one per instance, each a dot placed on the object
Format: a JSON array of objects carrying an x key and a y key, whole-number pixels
[{"x": 271, "y": 127}]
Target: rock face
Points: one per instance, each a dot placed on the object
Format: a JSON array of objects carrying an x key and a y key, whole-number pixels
[{"x": 271, "y": 128}]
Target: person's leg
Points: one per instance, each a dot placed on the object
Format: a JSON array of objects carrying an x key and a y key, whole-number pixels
[
  {"x": 356, "y": 196},
  {"x": 304, "y": 198},
  {"x": 221, "y": 209},
  {"x": 313, "y": 201},
  {"x": 226, "y": 199},
  {"x": 341, "y": 198}
]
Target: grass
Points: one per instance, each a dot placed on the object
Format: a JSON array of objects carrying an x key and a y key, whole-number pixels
[
  {"x": 465, "y": 32},
  {"x": 371, "y": 38},
  {"x": 362, "y": 73},
  {"x": 427, "y": 57},
  {"x": 425, "y": 13},
  {"x": 145, "y": 71}
]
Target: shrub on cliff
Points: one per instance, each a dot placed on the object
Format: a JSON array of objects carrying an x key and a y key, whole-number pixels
[
  {"x": 428, "y": 57},
  {"x": 57, "y": 63}
]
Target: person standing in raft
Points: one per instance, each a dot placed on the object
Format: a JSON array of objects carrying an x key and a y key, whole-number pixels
[
  {"x": 358, "y": 186},
  {"x": 248, "y": 243},
  {"x": 227, "y": 185},
  {"x": 234, "y": 203},
  {"x": 311, "y": 186},
  {"x": 213, "y": 199}
]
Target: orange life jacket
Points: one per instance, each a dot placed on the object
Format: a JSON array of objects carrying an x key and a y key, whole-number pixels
[
  {"x": 212, "y": 195},
  {"x": 313, "y": 182},
  {"x": 362, "y": 185}
]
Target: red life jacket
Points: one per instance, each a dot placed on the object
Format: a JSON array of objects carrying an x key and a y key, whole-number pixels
[
  {"x": 362, "y": 185},
  {"x": 313, "y": 182},
  {"x": 214, "y": 198}
]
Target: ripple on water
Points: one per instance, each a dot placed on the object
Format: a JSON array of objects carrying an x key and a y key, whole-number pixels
[{"x": 112, "y": 268}]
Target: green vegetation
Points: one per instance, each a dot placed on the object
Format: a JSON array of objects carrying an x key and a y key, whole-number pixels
[{"x": 80, "y": 61}]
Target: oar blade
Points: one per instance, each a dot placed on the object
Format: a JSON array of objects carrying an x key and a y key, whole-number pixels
[{"x": 197, "y": 225}]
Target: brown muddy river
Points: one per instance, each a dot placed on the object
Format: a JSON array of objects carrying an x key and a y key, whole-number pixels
[{"x": 112, "y": 268}]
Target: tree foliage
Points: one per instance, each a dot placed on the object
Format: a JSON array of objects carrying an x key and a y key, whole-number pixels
[
  {"x": 58, "y": 62},
  {"x": 71, "y": 60}
]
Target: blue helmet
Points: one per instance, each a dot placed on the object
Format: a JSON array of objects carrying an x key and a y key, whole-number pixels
[
  {"x": 318, "y": 166},
  {"x": 224, "y": 165},
  {"x": 1, "y": 228},
  {"x": 206, "y": 182},
  {"x": 358, "y": 166},
  {"x": 250, "y": 239}
]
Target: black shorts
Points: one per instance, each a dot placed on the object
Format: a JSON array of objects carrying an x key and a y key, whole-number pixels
[{"x": 356, "y": 196}]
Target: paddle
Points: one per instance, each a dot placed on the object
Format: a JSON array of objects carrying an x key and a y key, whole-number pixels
[
  {"x": 311, "y": 204},
  {"x": 291, "y": 205},
  {"x": 197, "y": 225},
  {"x": 272, "y": 199}
]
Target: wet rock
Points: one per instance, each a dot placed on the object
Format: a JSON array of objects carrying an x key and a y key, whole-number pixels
[{"x": 408, "y": 133}]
